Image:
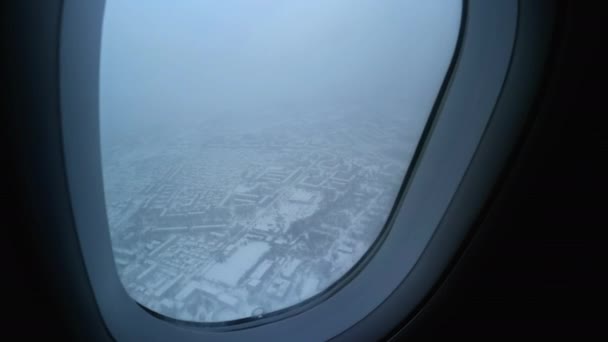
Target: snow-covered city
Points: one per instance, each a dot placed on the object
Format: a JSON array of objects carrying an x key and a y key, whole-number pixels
[{"x": 217, "y": 224}]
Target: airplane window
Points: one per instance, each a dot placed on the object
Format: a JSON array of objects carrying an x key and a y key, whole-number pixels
[{"x": 253, "y": 150}]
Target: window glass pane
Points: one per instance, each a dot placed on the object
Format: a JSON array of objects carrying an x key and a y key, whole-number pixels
[{"x": 252, "y": 150}]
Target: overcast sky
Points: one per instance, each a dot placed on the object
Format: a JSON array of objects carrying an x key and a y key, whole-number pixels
[{"x": 179, "y": 61}]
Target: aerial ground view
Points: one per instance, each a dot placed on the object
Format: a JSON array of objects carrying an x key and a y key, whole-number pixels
[
  {"x": 254, "y": 221},
  {"x": 253, "y": 150}
]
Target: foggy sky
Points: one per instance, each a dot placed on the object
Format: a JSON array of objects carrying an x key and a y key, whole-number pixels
[{"x": 181, "y": 61}]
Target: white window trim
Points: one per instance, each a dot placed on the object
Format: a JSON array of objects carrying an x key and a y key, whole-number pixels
[{"x": 476, "y": 122}]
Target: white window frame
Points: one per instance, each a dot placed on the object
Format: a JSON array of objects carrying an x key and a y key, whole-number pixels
[{"x": 478, "y": 116}]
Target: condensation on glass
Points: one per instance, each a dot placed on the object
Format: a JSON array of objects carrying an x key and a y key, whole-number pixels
[{"x": 252, "y": 150}]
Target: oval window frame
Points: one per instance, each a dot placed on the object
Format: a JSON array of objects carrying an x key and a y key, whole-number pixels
[{"x": 455, "y": 146}]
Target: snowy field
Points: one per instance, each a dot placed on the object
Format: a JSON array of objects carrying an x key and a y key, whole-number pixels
[{"x": 243, "y": 259}]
